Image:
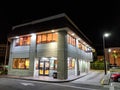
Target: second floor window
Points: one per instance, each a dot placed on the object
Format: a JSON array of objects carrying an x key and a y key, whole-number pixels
[
  {"x": 81, "y": 46},
  {"x": 71, "y": 40},
  {"x": 47, "y": 37},
  {"x": 23, "y": 41}
]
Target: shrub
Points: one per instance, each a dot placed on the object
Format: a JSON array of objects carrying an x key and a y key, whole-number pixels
[{"x": 97, "y": 65}]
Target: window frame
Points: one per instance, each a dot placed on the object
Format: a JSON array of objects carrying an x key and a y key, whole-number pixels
[
  {"x": 71, "y": 40},
  {"x": 21, "y": 41},
  {"x": 20, "y": 60},
  {"x": 46, "y": 41}
]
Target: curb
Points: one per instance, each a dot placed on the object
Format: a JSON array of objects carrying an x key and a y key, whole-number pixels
[
  {"x": 59, "y": 81},
  {"x": 105, "y": 80}
]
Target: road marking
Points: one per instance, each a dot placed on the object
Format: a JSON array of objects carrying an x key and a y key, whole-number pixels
[{"x": 27, "y": 84}]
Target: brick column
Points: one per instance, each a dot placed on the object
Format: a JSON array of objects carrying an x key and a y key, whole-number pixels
[{"x": 62, "y": 55}]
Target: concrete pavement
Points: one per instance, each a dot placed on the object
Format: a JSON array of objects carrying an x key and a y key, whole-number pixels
[{"x": 46, "y": 78}]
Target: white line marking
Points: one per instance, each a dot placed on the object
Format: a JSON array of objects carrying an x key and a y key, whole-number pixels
[{"x": 27, "y": 84}]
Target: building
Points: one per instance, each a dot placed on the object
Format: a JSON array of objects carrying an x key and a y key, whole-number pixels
[
  {"x": 4, "y": 49},
  {"x": 48, "y": 45},
  {"x": 112, "y": 55},
  {"x": 100, "y": 58}
]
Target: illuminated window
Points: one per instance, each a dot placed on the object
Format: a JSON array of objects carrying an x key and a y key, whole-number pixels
[
  {"x": 79, "y": 45},
  {"x": 20, "y": 63},
  {"x": 55, "y": 37},
  {"x": 53, "y": 65},
  {"x": 71, "y": 63},
  {"x": 68, "y": 39},
  {"x": 44, "y": 38},
  {"x": 83, "y": 47},
  {"x": 39, "y": 39},
  {"x": 47, "y": 37},
  {"x": 71, "y": 40},
  {"x": 23, "y": 41}
]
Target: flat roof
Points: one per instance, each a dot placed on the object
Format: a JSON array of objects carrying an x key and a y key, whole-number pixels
[{"x": 48, "y": 23}]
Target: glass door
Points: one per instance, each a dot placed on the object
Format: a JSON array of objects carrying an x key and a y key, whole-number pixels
[
  {"x": 44, "y": 68},
  {"x": 41, "y": 72}
]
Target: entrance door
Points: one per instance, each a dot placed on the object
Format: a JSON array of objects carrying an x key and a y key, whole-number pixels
[{"x": 44, "y": 68}]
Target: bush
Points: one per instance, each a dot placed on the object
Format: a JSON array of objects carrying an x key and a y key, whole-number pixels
[
  {"x": 3, "y": 72},
  {"x": 97, "y": 65}
]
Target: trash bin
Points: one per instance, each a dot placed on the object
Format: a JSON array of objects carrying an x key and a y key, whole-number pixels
[
  {"x": 78, "y": 72},
  {"x": 54, "y": 74}
]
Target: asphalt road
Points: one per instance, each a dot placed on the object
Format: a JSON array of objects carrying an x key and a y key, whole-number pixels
[{"x": 79, "y": 84}]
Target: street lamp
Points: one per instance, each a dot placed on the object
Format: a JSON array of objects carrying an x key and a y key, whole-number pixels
[{"x": 105, "y": 35}]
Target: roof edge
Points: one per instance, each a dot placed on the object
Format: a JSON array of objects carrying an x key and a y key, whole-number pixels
[
  {"x": 76, "y": 27},
  {"x": 40, "y": 20}
]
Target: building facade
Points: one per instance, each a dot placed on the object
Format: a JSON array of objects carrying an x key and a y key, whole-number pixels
[
  {"x": 4, "y": 55},
  {"x": 112, "y": 55},
  {"x": 45, "y": 46}
]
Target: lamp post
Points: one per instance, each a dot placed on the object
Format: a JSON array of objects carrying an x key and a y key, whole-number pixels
[{"x": 105, "y": 35}]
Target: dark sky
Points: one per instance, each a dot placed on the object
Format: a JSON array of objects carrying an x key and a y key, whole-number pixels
[{"x": 92, "y": 17}]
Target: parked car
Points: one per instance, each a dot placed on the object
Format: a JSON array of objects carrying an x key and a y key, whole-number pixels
[{"x": 115, "y": 77}]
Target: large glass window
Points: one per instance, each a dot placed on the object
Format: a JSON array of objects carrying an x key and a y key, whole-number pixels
[
  {"x": 71, "y": 40},
  {"x": 23, "y": 41},
  {"x": 20, "y": 63},
  {"x": 47, "y": 37},
  {"x": 53, "y": 64},
  {"x": 71, "y": 63}
]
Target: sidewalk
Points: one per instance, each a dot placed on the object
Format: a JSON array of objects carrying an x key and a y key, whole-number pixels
[
  {"x": 106, "y": 79},
  {"x": 46, "y": 78}
]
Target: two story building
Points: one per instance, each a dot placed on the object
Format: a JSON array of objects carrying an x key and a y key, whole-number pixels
[{"x": 48, "y": 45}]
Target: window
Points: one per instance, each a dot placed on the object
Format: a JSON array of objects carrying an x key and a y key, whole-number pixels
[
  {"x": 20, "y": 63},
  {"x": 55, "y": 37},
  {"x": 79, "y": 45},
  {"x": 71, "y": 63},
  {"x": 49, "y": 37},
  {"x": 71, "y": 40},
  {"x": 23, "y": 41},
  {"x": 46, "y": 38},
  {"x": 39, "y": 39},
  {"x": 53, "y": 64}
]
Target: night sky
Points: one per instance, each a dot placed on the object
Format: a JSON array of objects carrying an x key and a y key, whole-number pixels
[{"x": 92, "y": 17}]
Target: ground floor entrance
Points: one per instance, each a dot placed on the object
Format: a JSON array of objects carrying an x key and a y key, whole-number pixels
[
  {"x": 44, "y": 65},
  {"x": 47, "y": 66}
]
